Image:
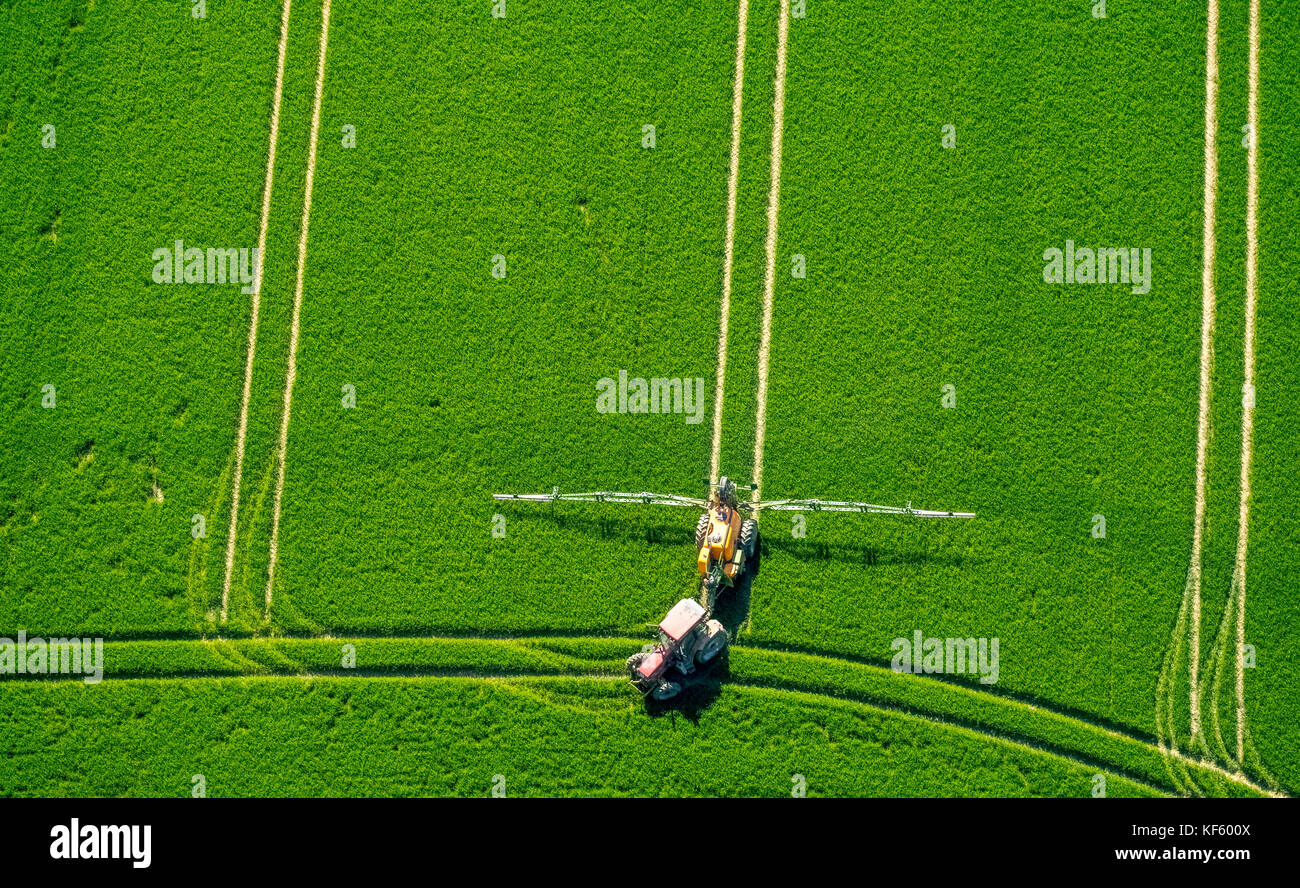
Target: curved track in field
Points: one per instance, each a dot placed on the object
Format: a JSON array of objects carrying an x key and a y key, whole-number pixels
[
  {"x": 997, "y": 717},
  {"x": 1227, "y": 650}
]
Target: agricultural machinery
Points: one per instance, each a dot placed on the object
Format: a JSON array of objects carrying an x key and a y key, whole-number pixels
[
  {"x": 727, "y": 549},
  {"x": 689, "y": 641},
  {"x": 727, "y": 542}
]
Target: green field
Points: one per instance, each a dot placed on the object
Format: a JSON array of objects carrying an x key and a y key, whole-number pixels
[{"x": 497, "y": 239}]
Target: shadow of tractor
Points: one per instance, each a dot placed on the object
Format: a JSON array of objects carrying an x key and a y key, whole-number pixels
[
  {"x": 697, "y": 696},
  {"x": 732, "y": 607}
]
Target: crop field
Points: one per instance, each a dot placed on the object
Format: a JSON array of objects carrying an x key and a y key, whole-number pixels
[{"x": 293, "y": 287}]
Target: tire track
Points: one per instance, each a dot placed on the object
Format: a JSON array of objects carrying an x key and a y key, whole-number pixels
[
  {"x": 733, "y": 179},
  {"x": 525, "y": 678},
  {"x": 1230, "y": 633},
  {"x": 279, "y": 664},
  {"x": 291, "y": 371},
  {"x": 1187, "y": 626},
  {"x": 241, "y": 436},
  {"x": 1232, "y": 625},
  {"x": 1248, "y": 392},
  {"x": 1166, "y": 699},
  {"x": 1207, "y": 352},
  {"x": 769, "y": 275}
]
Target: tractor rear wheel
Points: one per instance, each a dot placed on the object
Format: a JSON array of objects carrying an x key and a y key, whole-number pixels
[
  {"x": 716, "y": 644},
  {"x": 701, "y": 531},
  {"x": 666, "y": 691}
]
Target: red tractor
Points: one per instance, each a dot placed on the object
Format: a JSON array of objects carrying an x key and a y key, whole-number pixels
[{"x": 688, "y": 641}]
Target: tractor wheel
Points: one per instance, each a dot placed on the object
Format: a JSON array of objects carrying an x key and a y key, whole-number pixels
[
  {"x": 716, "y": 644},
  {"x": 701, "y": 531},
  {"x": 666, "y": 691},
  {"x": 634, "y": 661},
  {"x": 750, "y": 542}
]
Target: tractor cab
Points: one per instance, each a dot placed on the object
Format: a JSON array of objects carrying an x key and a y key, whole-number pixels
[
  {"x": 675, "y": 636},
  {"x": 684, "y": 617}
]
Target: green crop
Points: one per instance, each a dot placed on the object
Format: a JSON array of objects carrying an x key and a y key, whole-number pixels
[
  {"x": 251, "y": 737},
  {"x": 492, "y": 234}
]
